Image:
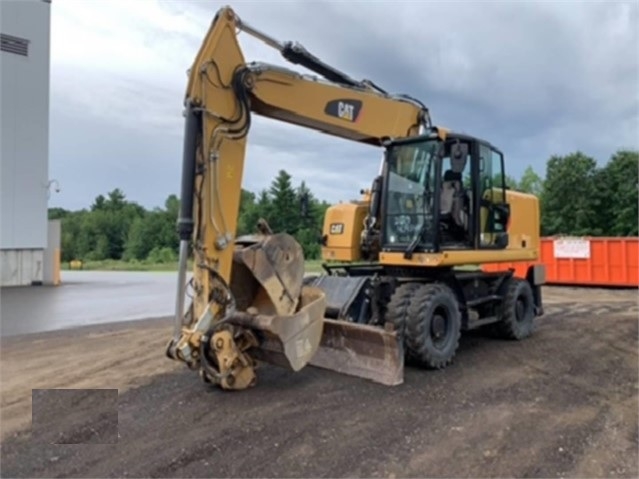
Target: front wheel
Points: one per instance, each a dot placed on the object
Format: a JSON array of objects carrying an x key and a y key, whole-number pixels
[{"x": 433, "y": 326}]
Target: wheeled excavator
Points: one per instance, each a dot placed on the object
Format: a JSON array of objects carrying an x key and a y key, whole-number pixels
[{"x": 396, "y": 286}]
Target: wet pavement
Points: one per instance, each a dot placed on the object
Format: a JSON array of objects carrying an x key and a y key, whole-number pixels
[{"x": 87, "y": 298}]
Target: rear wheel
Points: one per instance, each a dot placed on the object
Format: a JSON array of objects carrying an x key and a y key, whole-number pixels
[
  {"x": 433, "y": 326},
  {"x": 518, "y": 310}
]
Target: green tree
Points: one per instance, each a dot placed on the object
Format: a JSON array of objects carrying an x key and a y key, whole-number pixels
[
  {"x": 283, "y": 212},
  {"x": 617, "y": 189},
  {"x": 71, "y": 225},
  {"x": 101, "y": 232},
  {"x": 101, "y": 250},
  {"x": 251, "y": 210},
  {"x": 116, "y": 200},
  {"x": 58, "y": 213},
  {"x": 137, "y": 246},
  {"x": 308, "y": 238},
  {"x": 247, "y": 213},
  {"x": 530, "y": 182},
  {"x": 154, "y": 230},
  {"x": 569, "y": 201},
  {"x": 99, "y": 202},
  {"x": 509, "y": 180},
  {"x": 172, "y": 206},
  {"x": 311, "y": 213}
]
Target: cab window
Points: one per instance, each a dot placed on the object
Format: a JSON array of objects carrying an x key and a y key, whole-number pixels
[{"x": 494, "y": 210}]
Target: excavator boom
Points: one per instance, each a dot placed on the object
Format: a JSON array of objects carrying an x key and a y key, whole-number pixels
[{"x": 249, "y": 302}]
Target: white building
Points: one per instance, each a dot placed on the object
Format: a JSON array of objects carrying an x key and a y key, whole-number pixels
[{"x": 27, "y": 255}]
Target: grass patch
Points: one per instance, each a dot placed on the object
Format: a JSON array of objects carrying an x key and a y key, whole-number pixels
[
  {"x": 119, "y": 265},
  {"x": 312, "y": 266}
]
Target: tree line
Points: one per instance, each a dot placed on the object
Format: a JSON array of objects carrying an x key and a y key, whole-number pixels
[
  {"x": 577, "y": 197},
  {"x": 580, "y": 198},
  {"x": 115, "y": 228}
]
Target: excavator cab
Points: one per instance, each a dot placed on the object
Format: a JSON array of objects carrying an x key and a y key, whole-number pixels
[{"x": 443, "y": 194}]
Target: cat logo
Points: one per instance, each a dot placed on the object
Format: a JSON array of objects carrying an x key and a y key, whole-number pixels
[
  {"x": 344, "y": 109},
  {"x": 337, "y": 228}
]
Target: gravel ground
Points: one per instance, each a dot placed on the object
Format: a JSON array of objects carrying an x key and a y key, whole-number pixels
[{"x": 562, "y": 403}]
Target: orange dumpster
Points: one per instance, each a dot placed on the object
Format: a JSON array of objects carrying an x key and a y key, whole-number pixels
[{"x": 589, "y": 261}]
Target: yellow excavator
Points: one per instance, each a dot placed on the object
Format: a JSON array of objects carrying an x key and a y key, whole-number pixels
[{"x": 396, "y": 287}]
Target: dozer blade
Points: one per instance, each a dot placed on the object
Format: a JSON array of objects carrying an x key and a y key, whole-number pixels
[{"x": 361, "y": 350}]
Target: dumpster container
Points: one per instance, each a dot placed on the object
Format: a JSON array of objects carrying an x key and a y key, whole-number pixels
[{"x": 589, "y": 261}]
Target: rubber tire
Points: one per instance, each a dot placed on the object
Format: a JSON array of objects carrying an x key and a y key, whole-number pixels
[
  {"x": 397, "y": 308},
  {"x": 509, "y": 326},
  {"x": 427, "y": 300}
]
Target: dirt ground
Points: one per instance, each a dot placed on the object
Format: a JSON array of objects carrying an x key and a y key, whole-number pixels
[{"x": 563, "y": 403}]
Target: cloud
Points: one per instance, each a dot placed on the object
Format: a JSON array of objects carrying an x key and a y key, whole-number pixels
[{"x": 533, "y": 78}]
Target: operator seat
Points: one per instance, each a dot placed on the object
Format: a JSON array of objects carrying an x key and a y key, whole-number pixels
[{"x": 452, "y": 200}]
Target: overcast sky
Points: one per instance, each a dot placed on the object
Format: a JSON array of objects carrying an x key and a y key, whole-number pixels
[{"x": 534, "y": 78}]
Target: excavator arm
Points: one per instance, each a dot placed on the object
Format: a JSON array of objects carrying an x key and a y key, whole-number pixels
[{"x": 248, "y": 299}]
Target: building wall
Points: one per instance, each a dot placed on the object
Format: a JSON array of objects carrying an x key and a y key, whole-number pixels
[
  {"x": 24, "y": 126},
  {"x": 26, "y": 267},
  {"x": 21, "y": 267}
]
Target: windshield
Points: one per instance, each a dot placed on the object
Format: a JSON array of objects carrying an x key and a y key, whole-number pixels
[{"x": 409, "y": 199}]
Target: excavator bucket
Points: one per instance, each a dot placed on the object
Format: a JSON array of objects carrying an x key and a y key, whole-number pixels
[
  {"x": 287, "y": 341},
  {"x": 267, "y": 284},
  {"x": 288, "y": 320}
]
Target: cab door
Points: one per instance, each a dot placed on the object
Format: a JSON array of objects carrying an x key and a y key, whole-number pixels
[{"x": 494, "y": 211}]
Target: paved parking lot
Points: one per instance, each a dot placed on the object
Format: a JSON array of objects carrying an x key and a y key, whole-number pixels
[{"x": 86, "y": 298}]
